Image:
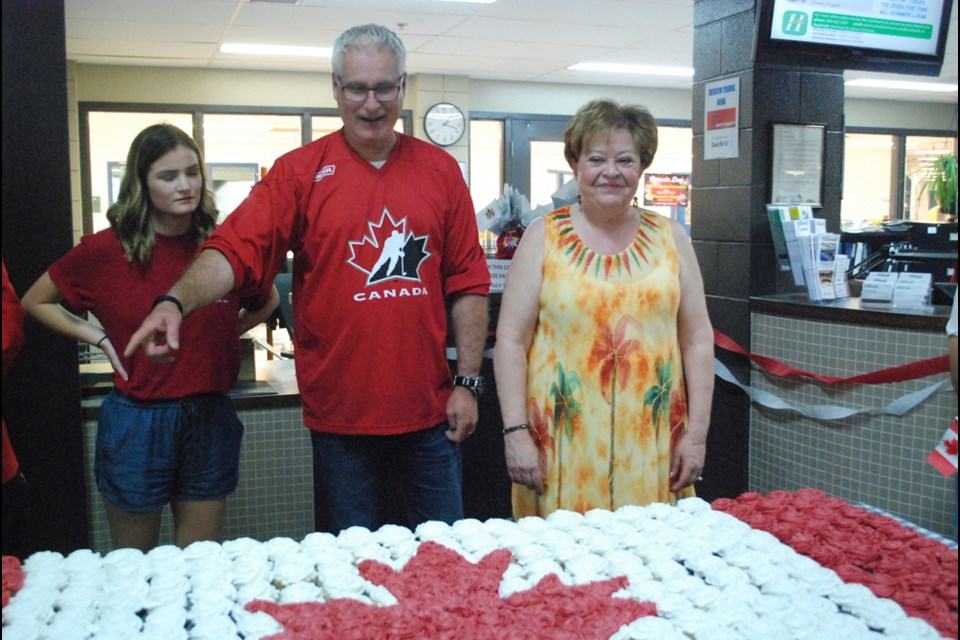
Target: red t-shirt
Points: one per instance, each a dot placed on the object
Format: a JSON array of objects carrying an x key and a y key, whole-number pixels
[
  {"x": 95, "y": 276},
  {"x": 377, "y": 252},
  {"x": 12, "y": 343}
]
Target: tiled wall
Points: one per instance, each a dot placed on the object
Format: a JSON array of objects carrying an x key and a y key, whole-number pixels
[
  {"x": 267, "y": 503},
  {"x": 876, "y": 459}
]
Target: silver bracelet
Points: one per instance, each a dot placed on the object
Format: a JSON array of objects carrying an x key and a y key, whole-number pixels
[{"x": 518, "y": 427}]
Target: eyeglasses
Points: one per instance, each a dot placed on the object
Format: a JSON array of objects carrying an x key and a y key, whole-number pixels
[{"x": 382, "y": 92}]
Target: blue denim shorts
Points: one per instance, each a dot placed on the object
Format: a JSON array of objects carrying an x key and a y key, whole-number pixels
[{"x": 149, "y": 453}]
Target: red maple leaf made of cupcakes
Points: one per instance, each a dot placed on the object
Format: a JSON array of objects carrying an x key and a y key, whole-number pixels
[
  {"x": 862, "y": 547},
  {"x": 442, "y": 595}
]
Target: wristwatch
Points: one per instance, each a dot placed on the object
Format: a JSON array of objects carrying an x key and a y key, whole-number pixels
[{"x": 473, "y": 383}]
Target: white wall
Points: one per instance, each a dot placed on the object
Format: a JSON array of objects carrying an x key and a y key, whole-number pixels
[
  {"x": 899, "y": 114},
  {"x": 96, "y": 83}
]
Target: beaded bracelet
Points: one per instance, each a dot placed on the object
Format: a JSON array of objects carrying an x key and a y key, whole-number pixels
[
  {"x": 516, "y": 428},
  {"x": 100, "y": 341}
]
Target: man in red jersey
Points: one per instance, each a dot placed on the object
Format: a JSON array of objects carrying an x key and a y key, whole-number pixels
[{"x": 384, "y": 238}]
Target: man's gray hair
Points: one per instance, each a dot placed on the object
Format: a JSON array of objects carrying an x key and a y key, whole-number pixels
[{"x": 372, "y": 36}]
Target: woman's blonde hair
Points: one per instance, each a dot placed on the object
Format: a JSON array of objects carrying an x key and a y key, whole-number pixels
[
  {"x": 604, "y": 116},
  {"x": 130, "y": 216}
]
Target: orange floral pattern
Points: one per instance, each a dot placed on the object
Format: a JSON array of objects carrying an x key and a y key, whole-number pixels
[{"x": 605, "y": 358}]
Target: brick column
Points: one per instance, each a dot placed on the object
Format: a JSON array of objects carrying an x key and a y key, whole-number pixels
[{"x": 730, "y": 232}]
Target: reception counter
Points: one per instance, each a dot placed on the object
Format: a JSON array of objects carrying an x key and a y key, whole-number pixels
[{"x": 870, "y": 457}]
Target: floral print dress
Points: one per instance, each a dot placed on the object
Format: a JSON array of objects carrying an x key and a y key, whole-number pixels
[{"x": 605, "y": 391}]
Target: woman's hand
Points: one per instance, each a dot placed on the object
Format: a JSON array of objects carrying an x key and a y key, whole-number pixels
[
  {"x": 106, "y": 345},
  {"x": 523, "y": 460},
  {"x": 687, "y": 463}
]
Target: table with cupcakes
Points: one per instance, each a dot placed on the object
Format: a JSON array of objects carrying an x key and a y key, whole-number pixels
[{"x": 783, "y": 565}]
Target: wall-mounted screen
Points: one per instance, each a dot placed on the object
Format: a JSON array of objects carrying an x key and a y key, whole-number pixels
[{"x": 894, "y": 36}]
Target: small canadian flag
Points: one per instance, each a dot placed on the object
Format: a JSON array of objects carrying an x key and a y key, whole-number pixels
[{"x": 944, "y": 457}]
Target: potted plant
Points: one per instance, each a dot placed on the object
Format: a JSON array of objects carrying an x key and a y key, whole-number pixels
[{"x": 941, "y": 180}]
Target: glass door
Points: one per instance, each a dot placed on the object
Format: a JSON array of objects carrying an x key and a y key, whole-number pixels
[{"x": 536, "y": 166}]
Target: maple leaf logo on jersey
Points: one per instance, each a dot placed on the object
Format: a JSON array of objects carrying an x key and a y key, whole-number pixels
[{"x": 389, "y": 251}]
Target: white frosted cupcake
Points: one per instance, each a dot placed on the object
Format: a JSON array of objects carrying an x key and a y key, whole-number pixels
[
  {"x": 497, "y": 526},
  {"x": 280, "y": 546},
  {"x": 479, "y": 543},
  {"x": 300, "y": 592},
  {"x": 169, "y": 617},
  {"x": 355, "y": 537},
  {"x": 586, "y": 568},
  {"x": 540, "y": 568},
  {"x": 694, "y": 505},
  {"x": 632, "y": 515},
  {"x": 254, "y": 625},
  {"x": 257, "y": 590},
  {"x": 22, "y": 628},
  {"x": 206, "y": 551},
  {"x": 432, "y": 529},
  {"x": 878, "y": 613},
  {"x": 380, "y": 595},
  {"x": 208, "y": 606},
  {"x": 293, "y": 567},
  {"x": 244, "y": 547},
  {"x": 762, "y": 628},
  {"x": 391, "y": 535},
  {"x": 840, "y": 625},
  {"x": 163, "y": 632},
  {"x": 65, "y": 627},
  {"x": 599, "y": 518},
  {"x": 564, "y": 520},
  {"x": 906, "y": 629},
  {"x": 82, "y": 562},
  {"x": 44, "y": 561},
  {"x": 116, "y": 625},
  {"x": 214, "y": 627},
  {"x": 466, "y": 526},
  {"x": 167, "y": 590},
  {"x": 514, "y": 581},
  {"x": 693, "y": 622},
  {"x": 650, "y": 628},
  {"x": 165, "y": 557},
  {"x": 318, "y": 543},
  {"x": 211, "y": 588}
]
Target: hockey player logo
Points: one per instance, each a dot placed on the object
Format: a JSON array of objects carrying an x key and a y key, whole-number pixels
[{"x": 389, "y": 252}]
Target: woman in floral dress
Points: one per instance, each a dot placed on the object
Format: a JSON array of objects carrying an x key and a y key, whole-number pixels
[{"x": 604, "y": 353}]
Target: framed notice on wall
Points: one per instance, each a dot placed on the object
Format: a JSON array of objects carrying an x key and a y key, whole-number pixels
[{"x": 796, "y": 174}]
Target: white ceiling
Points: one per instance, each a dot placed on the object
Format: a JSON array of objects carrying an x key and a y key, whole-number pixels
[{"x": 516, "y": 40}]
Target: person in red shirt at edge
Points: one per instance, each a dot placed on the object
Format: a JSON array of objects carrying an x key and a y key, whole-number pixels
[
  {"x": 383, "y": 234},
  {"x": 14, "y": 484},
  {"x": 166, "y": 433}
]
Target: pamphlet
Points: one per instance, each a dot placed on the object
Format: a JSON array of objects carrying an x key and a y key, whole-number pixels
[
  {"x": 913, "y": 289},
  {"x": 878, "y": 287},
  {"x": 793, "y": 230},
  {"x": 841, "y": 287},
  {"x": 777, "y": 215},
  {"x": 826, "y": 255}
]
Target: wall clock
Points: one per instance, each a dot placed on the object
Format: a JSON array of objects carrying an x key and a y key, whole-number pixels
[{"x": 444, "y": 124}]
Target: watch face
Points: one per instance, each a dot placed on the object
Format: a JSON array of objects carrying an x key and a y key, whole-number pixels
[{"x": 444, "y": 123}]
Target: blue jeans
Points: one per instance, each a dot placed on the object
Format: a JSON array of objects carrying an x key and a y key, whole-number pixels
[{"x": 359, "y": 477}]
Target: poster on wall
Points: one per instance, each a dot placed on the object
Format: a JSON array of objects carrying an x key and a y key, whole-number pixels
[
  {"x": 666, "y": 189},
  {"x": 721, "y": 119},
  {"x": 796, "y": 172}
]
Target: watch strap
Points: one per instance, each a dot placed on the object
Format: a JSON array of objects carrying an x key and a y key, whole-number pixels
[{"x": 473, "y": 383}]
